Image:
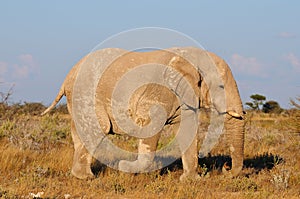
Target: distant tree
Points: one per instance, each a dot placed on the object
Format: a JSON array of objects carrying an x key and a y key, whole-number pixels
[
  {"x": 294, "y": 123},
  {"x": 251, "y": 105},
  {"x": 295, "y": 104},
  {"x": 257, "y": 100},
  {"x": 271, "y": 107},
  {"x": 6, "y": 95}
]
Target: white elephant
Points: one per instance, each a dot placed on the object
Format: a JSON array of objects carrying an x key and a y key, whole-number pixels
[{"x": 120, "y": 62}]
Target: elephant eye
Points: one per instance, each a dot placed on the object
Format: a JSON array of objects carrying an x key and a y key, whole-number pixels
[{"x": 221, "y": 86}]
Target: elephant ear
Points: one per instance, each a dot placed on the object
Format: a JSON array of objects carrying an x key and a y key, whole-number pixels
[{"x": 234, "y": 105}]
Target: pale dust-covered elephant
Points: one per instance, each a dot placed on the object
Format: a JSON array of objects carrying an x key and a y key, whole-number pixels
[{"x": 148, "y": 95}]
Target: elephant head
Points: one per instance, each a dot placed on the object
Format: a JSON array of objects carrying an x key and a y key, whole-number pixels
[{"x": 234, "y": 115}]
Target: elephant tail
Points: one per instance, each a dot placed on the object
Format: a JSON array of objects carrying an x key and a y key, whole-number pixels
[{"x": 60, "y": 94}]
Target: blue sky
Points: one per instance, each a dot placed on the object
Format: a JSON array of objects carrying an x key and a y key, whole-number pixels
[{"x": 40, "y": 41}]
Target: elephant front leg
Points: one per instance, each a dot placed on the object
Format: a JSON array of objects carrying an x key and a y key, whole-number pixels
[
  {"x": 190, "y": 162},
  {"x": 82, "y": 160},
  {"x": 146, "y": 153}
]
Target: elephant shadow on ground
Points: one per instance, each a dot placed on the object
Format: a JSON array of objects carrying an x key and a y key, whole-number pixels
[
  {"x": 213, "y": 163},
  {"x": 210, "y": 163}
]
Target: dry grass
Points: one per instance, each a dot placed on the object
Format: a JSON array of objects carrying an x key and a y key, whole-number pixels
[{"x": 36, "y": 156}]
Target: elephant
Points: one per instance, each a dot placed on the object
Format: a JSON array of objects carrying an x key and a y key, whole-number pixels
[{"x": 143, "y": 98}]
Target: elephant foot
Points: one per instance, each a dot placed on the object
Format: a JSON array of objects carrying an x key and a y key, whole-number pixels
[
  {"x": 82, "y": 172},
  {"x": 133, "y": 166},
  {"x": 140, "y": 165},
  {"x": 189, "y": 176}
]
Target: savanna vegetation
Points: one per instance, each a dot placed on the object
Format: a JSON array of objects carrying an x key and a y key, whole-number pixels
[{"x": 36, "y": 157}]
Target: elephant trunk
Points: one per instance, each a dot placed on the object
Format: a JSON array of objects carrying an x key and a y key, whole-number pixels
[{"x": 235, "y": 134}]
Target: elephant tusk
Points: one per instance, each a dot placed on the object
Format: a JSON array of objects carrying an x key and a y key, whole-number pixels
[{"x": 235, "y": 114}]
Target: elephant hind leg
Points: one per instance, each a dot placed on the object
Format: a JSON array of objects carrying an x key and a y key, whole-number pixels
[
  {"x": 146, "y": 153},
  {"x": 82, "y": 160}
]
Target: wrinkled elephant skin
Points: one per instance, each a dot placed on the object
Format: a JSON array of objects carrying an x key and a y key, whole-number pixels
[{"x": 149, "y": 95}]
